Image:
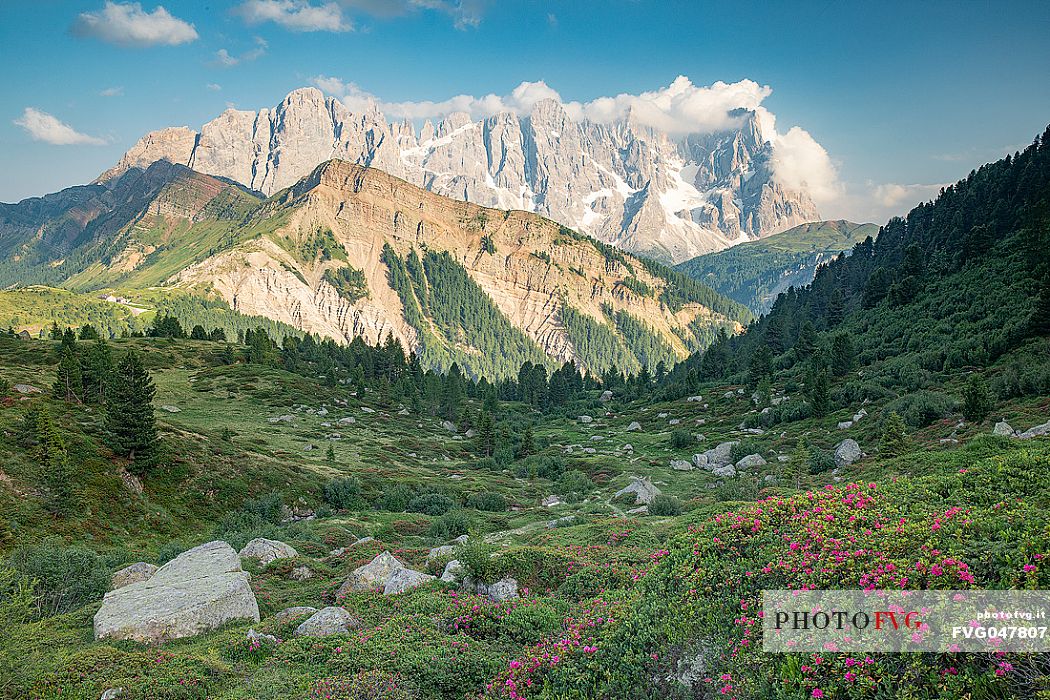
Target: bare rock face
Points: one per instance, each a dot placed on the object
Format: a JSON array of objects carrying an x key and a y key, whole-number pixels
[
  {"x": 135, "y": 573},
  {"x": 195, "y": 592},
  {"x": 666, "y": 197},
  {"x": 847, "y": 452}
]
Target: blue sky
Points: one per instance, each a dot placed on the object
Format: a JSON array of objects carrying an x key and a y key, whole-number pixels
[{"x": 902, "y": 96}]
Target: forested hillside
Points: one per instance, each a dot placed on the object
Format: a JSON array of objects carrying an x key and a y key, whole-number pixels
[{"x": 756, "y": 272}]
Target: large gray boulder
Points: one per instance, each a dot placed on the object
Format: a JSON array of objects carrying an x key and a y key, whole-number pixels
[
  {"x": 453, "y": 570},
  {"x": 847, "y": 452},
  {"x": 606, "y": 396},
  {"x": 750, "y": 462},
  {"x": 504, "y": 589},
  {"x": 404, "y": 580},
  {"x": 721, "y": 455},
  {"x": 135, "y": 573},
  {"x": 643, "y": 490},
  {"x": 1037, "y": 431},
  {"x": 195, "y": 592},
  {"x": 326, "y": 622},
  {"x": 634, "y": 425},
  {"x": 1004, "y": 429},
  {"x": 682, "y": 465},
  {"x": 267, "y": 550},
  {"x": 373, "y": 575},
  {"x": 298, "y": 611}
]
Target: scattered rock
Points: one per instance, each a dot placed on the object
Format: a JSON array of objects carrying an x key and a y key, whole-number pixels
[
  {"x": 504, "y": 589},
  {"x": 373, "y": 575},
  {"x": 661, "y": 415},
  {"x": 627, "y": 447},
  {"x": 195, "y": 592},
  {"x": 405, "y": 579},
  {"x": 550, "y": 501},
  {"x": 308, "y": 447},
  {"x": 783, "y": 459},
  {"x": 301, "y": 573},
  {"x": 606, "y": 396},
  {"x": 720, "y": 455},
  {"x": 171, "y": 409},
  {"x": 349, "y": 420},
  {"x": 597, "y": 438},
  {"x": 286, "y": 418},
  {"x": 682, "y": 465},
  {"x": 558, "y": 522},
  {"x": 1037, "y": 431},
  {"x": 585, "y": 419},
  {"x": 640, "y": 510},
  {"x": 695, "y": 399},
  {"x": 442, "y": 551},
  {"x": 643, "y": 490},
  {"x": 111, "y": 694},
  {"x": 27, "y": 389},
  {"x": 298, "y": 611},
  {"x": 470, "y": 434},
  {"x": 449, "y": 426},
  {"x": 700, "y": 460},
  {"x": 750, "y": 462},
  {"x": 635, "y": 425},
  {"x": 727, "y": 470},
  {"x": 858, "y": 415},
  {"x": 326, "y": 622},
  {"x": 135, "y": 573},
  {"x": 403, "y": 412},
  {"x": 267, "y": 550},
  {"x": 847, "y": 452},
  {"x": 589, "y": 450},
  {"x": 845, "y": 425},
  {"x": 366, "y": 409},
  {"x": 674, "y": 421},
  {"x": 1004, "y": 429},
  {"x": 453, "y": 570},
  {"x": 258, "y": 638}
]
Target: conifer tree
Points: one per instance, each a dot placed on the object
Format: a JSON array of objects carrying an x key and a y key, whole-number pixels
[
  {"x": 894, "y": 436},
  {"x": 819, "y": 392},
  {"x": 330, "y": 454},
  {"x": 842, "y": 354},
  {"x": 130, "y": 421},
  {"x": 55, "y": 465},
  {"x": 527, "y": 446},
  {"x": 977, "y": 399},
  {"x": 68, "y": 384},
  {"x": 486, "y": 438},
  {"x": 97, "y": 372}
]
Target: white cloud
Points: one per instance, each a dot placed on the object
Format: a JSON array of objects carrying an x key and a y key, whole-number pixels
[
  {"x": 42, "y": 126},
  {"x": 117, "y": 91},
  {"x": 127, "y": 24},
  {"x": 800, "y": 163},
  {"x": 225, "y": 59},
  {"x": 214, "y": 87},
  {"x": 295, "y": 15}
]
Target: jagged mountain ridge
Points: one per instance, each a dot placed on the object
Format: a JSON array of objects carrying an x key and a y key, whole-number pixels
[
  {"x": 625, "y": 184},
  {"x": 312, "y": 256}
]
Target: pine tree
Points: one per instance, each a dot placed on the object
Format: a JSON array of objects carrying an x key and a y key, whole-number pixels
[
  {"x": 55, "y": 465},
  {"x": 894, "y": 436},
  {"x": 97, "y": 372},
  {"x": 486, "y": 434},
  {"x": 977, "y": 399},
  {"x": 527, "y": 446},
  {"x": 330, "y": 454},
  {"x": 130, "y": 421},
  {"x": 842, "y": 354},
  {"x": 819, "y": 392},
  {"x": 761, "y": 366},
  {"x": 807, "y": 339},
  {"x": 68, "y": 384}
]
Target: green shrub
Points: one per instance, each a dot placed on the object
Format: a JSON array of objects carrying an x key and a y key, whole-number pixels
[
  {"x": 488, "y": 501},
  {"x": 665, "y": 505},
  {"x": 395, "y": 498},
  {"x": 574, "y": 485},
  {"x": 681, "y": 439},
  {"x": 744, "y": 448},
  {"x": 531, "y": 622},
  {"x": 344, "y": 494},
  {"x": 268, "y": 507},
  {"x": 63, "y": 578},
  {"x": 820, "y": 461},
  {"x": 922, "y": 408},
  {"x": 450, "y": 525},
  {"x": 431, "y": 504},
  {"x": 476, "y": 557},
  {"x": 364, "y": 685}
]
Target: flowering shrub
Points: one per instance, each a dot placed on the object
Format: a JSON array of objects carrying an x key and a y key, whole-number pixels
[
  {"x": 696, "y": 622},
  {"x": 366, "y": 685}
]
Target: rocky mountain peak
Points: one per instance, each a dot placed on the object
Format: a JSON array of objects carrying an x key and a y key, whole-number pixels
[{"x": 663, "y": 196}]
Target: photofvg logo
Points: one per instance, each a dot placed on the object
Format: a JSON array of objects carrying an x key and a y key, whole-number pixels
[{"x": 905, "y": 621}]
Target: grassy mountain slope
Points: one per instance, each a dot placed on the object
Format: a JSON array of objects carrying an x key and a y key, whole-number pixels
[
  {"x": 311, "y": 257},
  {"x": 754, "y": 273}
]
